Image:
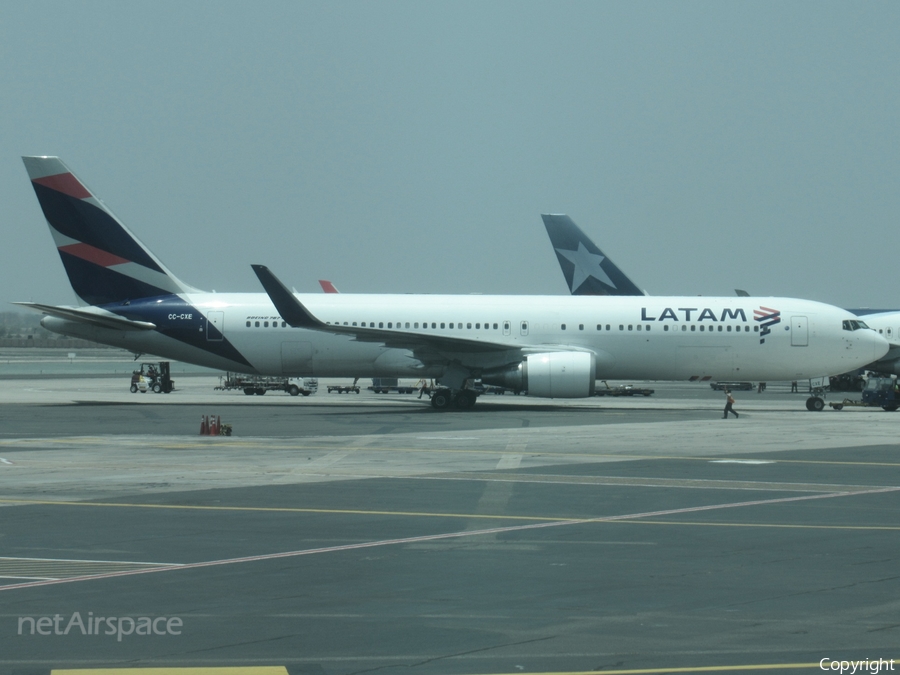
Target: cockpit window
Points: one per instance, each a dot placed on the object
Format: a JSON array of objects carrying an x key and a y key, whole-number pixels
[{"x": 854, "y": 324}]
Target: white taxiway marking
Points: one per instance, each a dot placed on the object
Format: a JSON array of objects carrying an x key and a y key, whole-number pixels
[
  {"x": 741, "y": 461},
  {"x": 5, "y": 461},
  {"x": 447, "y": 438}
]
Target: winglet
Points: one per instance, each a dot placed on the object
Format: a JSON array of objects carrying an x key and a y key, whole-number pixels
[{"x": 291, "y": 309}]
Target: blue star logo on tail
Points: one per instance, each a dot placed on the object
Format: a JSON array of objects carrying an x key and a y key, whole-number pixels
[{"x": 587, "y": 265}]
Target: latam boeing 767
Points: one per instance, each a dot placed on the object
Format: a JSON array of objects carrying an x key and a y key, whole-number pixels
[{"x": 549, "y": 346}]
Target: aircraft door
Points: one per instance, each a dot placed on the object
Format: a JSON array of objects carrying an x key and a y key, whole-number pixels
[
  {"x": 523, "y": 329},
  {"x": 799, "y": 331},
  {"x": 506, "y": 327},
  {"x": 215, "y": 326}
]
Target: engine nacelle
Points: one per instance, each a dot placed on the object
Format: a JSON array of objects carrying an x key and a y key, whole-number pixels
[
  {"x": 886, "y": 366},
  {"x": 550, "y": 375}
]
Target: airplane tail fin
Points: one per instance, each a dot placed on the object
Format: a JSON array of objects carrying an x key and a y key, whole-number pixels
[
  {"x": 586, "y": 269},
  {"x": 105, "y": 262}
]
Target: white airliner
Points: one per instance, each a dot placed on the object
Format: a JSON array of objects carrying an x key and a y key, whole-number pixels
[{"x": 549, "y": 346}]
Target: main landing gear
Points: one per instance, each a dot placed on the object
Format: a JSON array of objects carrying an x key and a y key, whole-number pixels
[{"x": 461, "y": 399}]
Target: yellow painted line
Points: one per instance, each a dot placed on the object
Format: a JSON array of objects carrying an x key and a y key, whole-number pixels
[
  {"x": 889, "y": 528},
  {"x": 248, "y": 670},
  {"x": 695, "y": 669},
  {"x": 589, "y": 519}
]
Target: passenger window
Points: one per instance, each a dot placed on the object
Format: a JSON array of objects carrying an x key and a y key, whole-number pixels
[
  {"x": 248, "y": 324},
  {"x": 728, "y": 329},
  {"x": 283, "y": 324},
  {"x": 265, "y": 324},
  {"x": 443, "y": 325},
  {"x": 562, "y": 327},
  {"x": 621, "y": 327},
  {"x": 581, "y": 326},
  {"x": 683, "y": 328},
  {"x": 693, "y": 328},
  {"x": 599, "y": 327},
  {"x": 630, "y": 327},
  {"x": 666, "y": 327},
  {"x": 434, "y": 325},
  {"x": 639, "y": 326}
]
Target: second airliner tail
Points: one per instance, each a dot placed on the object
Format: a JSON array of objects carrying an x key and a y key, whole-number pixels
[{"x": 586, "y": 269}]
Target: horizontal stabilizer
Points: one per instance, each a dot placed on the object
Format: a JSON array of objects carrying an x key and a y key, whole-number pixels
[{"x": 90, "y": 317}]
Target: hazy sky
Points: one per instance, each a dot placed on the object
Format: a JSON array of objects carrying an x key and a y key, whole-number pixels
[{"x": 411, "y": 146}]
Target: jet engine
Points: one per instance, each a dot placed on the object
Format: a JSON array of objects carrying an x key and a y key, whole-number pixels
[
  {"x": 550, "y": 375},
  {"x": 892, "y": 366}
]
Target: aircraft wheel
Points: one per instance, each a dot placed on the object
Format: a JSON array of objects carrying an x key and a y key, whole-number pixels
[
  {"x": 133, "y": 388},
  {"x": 441, "y": 400},
  {"x": 464, "y": 400},
  {"x": 815, "y": 404},
  {"x": 294, "y": 390}
]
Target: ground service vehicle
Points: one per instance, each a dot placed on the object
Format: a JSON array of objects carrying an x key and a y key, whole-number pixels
[
  {"x": 732, "y": 386},
  {"x": 623, "y": 390},
  {"x": 344, "y": 388},
  {"x": 880, "y": 392},
  {"x": 383, "y": 385},
  {"x": 255, "y": 384},
  {"x": 154, "y": 377}
]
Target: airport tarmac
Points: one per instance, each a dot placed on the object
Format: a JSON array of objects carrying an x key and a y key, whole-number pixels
[{"x": 346, "y": 534}]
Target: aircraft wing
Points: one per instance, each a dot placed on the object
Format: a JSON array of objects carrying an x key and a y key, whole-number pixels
[
  {"x": 92, "y": 317},
  {"x": 295, "y": 314}
]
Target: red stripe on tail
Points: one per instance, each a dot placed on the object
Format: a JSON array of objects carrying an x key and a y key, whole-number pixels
[
  {"x": 65, "y": 183},
  {"x": 92, "y": 254}
]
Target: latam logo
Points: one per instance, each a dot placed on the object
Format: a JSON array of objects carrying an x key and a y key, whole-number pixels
[{"x": 767, "y": 317}]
